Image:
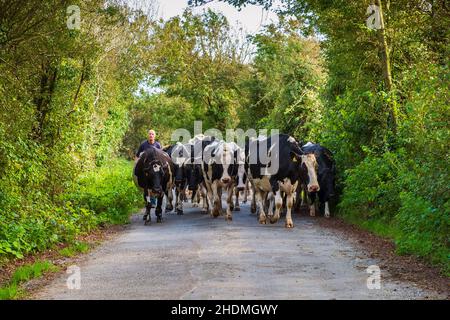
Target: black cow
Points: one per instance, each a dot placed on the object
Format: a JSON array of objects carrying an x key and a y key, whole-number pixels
[
  {"x": 326, "y": 177},
  {"x": 153, "y": 172},
  {"x": 275, "y": 166}
]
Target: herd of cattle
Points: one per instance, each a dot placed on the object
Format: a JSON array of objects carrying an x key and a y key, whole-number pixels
[{"x": 207, "y": 167}]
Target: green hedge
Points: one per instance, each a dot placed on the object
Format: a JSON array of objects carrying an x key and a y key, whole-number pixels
[
  {"x": 104, "y": 195},
  {"x": 384, "y": 194},
  {"x": 110, "y": 191}
]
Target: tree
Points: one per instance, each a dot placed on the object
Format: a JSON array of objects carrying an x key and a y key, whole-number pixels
[
  {"x": 194, "y": 57},
  {"x": 283, "y": 90}
]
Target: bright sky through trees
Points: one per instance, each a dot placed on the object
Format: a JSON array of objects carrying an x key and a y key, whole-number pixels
[{"x": 252, "y": 18}]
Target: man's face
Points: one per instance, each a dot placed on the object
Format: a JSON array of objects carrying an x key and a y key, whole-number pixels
[{"x": 151, "y": 136}]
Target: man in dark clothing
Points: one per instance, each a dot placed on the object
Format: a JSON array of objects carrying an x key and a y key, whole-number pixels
[{"x": 150, "y": 142}]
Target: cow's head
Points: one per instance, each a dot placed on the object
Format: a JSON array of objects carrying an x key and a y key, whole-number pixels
[
  {"x": 309, "y": 166},
  {"x": 180, "y": 155},
  {"x": 180, "y": 172},
  {"x": 154, "y": 173},
  {"x": 226, "y": 157}
]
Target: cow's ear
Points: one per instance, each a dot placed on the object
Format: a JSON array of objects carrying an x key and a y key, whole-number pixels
[{"x": 296, "y": 157}]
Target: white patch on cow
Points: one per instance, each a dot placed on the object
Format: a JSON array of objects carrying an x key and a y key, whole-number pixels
[
  {"x": 210, "y": 173},
  {"x": 263, "y": 184},
  {"x": 311, "y": 164},
  {"x": 278, "y": 205},
  {"x": 289, "y": 189},
  {"x": 260, "y": 198},
  {"x": 225, "y": 175},
  {"x": 327, "y": 210},
  {"x": 241, "y": 172}
]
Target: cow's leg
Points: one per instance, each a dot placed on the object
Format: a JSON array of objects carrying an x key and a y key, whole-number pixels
[
  {"x": 219, "y": 195},
  {"x": 327, "y": 210},
  {"x": 216, "y": 199},
  {"x": 147, "y": 202},
  {"x": 289, "y": 203},
  {"x": 158, "y": 210},
  {"x": 169, "y": 195},
  {"x": 269, "y": 204},
  {"x": 194, "y": 200},
  {"x": 261, "y": 197},
  {"x": 229, "y": 200},
  {"x": 246, "y": 190},
  {"x": 209, "y": 197},
  {"x": 299, "y": 199},
  {"x": 229, "y": 215},
  {"x": 179, "y": 204},
  {"x": 253, "y": 204},
  {"x": 236, "y": 203},
  {"x": 148, "y": 207},
  {"x": 177, "y": 196},
  {"x": 202, "y": 192},
  {"x": 312, "y": 204},
  {"x": 278, "y": 204}
]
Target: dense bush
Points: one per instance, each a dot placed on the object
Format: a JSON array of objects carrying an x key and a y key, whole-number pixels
[
  {"x": 110, "y": 191},
  {"x": 381, "y": 194},
  {"x": 425, "y": 229},
  {"x": 65, "y": 102},
  {"x": 104, "y": 195}
]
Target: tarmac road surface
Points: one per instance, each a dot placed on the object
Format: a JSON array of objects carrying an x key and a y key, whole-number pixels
[{"x": 195, "y": 256}]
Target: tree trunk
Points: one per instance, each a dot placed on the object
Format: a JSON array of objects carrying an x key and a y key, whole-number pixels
[
  {"x": 43, "y": 100},
  {"x": 384, "y": 50},
  {"x": 386, "y": 64}
]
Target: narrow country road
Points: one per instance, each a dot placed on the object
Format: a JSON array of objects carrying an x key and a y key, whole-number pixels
[{"x": 197, "y": 257}]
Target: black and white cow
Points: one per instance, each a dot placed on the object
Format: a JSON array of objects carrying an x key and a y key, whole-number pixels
[
  {"x": 240, "y": 185},
  {"x": 223, "y": 168},
  {"x": 180, "y": 154},
  {"x": 153, "y": 173},
  {"x": 193, "y": 168},
  {"x": 276, "y": 165},
  {"x": 326, "y": 178}
]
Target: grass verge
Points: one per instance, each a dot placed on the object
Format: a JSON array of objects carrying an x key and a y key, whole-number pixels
[{"x": 12, "y": 290}]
